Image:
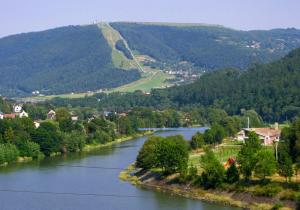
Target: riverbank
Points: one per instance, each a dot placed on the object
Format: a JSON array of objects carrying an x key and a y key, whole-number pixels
[
  {"x": 245, "y": 200},
  {"x": 87, "y": 148},
  {"x": 90, "y": 147}
]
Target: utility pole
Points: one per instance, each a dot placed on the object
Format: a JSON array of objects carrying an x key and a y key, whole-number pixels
[
  {"x": 276, "y": 149},
  {"x": 248, "y": 122}
]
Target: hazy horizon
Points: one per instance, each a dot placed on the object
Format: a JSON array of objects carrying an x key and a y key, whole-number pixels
[{"x": 33, "y": 15}]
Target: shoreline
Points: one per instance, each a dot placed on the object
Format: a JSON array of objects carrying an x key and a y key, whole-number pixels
[
  {"x": 90, "y": 147},
  {"x": 235, "y": 199},
  {"x": 87, "y": 148}
]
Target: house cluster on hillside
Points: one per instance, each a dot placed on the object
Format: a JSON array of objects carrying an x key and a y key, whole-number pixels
[
  {"x": 268, "y": 136},
  {"x": 17, "y": 112}
]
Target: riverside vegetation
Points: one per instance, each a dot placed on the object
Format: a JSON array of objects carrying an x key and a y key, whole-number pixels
[{"x": 251, "y": 178}]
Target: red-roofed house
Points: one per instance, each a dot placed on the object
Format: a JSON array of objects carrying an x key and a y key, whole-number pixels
[
  {"x": 267, "y": 135},
  {"x": 9, "y": 116}
]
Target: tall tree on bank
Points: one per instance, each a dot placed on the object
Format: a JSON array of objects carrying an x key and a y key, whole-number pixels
[{"x": 247, "y": 157}]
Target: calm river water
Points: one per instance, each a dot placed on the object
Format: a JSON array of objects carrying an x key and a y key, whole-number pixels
[{"x": 87, "y": 181}]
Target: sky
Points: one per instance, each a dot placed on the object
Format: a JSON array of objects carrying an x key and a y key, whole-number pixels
[{"x": 17, "y": 16}]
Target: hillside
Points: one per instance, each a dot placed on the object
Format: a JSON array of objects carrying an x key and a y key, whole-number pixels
[
  {"x": 127, "y": 56},
  {"x": 208, "y": 47},
  {"x": 272, "y": 90},
  {"x": 67, "y": 59}
]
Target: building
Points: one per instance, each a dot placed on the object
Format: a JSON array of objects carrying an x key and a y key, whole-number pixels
[
  {"x": 51, "y": 115},
  {"x": 9, "y": 116},
  {"x": 23, "y": 114},
  {"x": 1, "y": 115},
  {"x": 74, "y": 117},
  {"x": 17, "y": 108},
  {"x": 267, "y": 135},
  {"x": 37, "y": 124}
]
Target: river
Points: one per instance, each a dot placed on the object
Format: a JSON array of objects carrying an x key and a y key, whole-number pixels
[{"x": 88, "y": 181}]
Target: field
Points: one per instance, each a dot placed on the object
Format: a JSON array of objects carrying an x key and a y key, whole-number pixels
[
  {"x": 154, "y": 79},
  {"x": 67, "y": 95}
]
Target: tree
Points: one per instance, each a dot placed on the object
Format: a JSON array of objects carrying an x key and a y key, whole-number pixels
[
  {"x": 247, "y": 157},
  {"x": 66, "y": 124},
  {"x": 62, "y": 113},
  {"x": 232, "y": 174},
  {"x": 213, "y": 171},
  {"x": 291, "y": 135},
  {"x": 9, "y": 135},
  {"x": 285, "y": 164},
  {"x": 266, "y": 163},
  {"x": 146, "y": 158},
  {"x": 48, "y": 138},
  {"x": 215, "y": 134},
  {"x": 197, "y": 141},
  {"x": 172, "y": 154},
  {"x": 74, "y": 141}
]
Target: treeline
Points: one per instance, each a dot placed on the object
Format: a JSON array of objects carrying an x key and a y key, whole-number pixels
[
  {"x": 194, "y": 114},
  {"x": 272, "y": 90},
  {"x": 20, "y": 138}
]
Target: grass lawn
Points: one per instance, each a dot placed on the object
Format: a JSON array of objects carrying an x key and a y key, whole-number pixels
[{"x": 154, "y": 79}]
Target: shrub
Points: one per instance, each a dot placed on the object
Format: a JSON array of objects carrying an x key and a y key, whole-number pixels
[
  {"x": 269, "y": 190},
  {"x": 8, "y": 153},
  {"x": 213, "y": 170},
  {"x": 197, "y": 141},
  {"x": 74, "y": 141},
  {"x": 29, "y": 149},
  {"x": 232, "y": 174}
]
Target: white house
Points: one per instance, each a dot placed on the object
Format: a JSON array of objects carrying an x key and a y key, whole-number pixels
[
  {"x": 37, "y": 124},
  {"x": 74, "y": 118},
  {"x": 23, "y": 114},
  {"x": 17, "y": 108},
  {"x": 1, "y": 115},
  {"x": 51, "y": 115}
]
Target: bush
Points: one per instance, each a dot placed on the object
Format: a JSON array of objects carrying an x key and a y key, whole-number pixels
[
  {"x": 289, "y": 195},
  {"x": 29, "y": 149},
  {"x": 197, "y": 141},
  {"x": 8, "y": 153},
  {"x": 269, "y": 190},
  {"x": 277, "y": 206},
  {"x": 213, "y": 170},
  {"x": 232, "y": 174},
  {"x": 74, "y": 141}
]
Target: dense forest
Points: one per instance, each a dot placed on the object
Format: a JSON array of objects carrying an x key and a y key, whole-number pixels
[
  {"x": 66, "y": 59},
  {"x": 272, "y": 90},
  {"x": 208, "y": 47}
]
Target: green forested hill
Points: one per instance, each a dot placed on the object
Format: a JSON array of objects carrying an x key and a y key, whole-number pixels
[
  {"x": 272, "y": 90},
  {"x": 208, "y": 47},
  {"x": 73, "y": 58},
  {"x": 80, "y": 58}
]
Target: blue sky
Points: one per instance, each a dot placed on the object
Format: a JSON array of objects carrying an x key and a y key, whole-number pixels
[{"x": 18, "y": 16}]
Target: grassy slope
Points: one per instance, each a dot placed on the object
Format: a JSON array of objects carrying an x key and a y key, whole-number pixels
[
  {"x": 118, "y": 58},
  {"x": 155, "y": 79}
]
